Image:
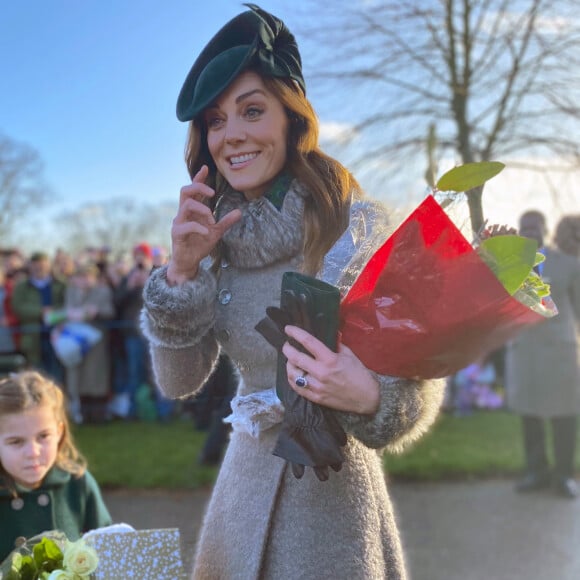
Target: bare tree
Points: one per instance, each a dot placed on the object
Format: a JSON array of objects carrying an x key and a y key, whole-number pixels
[
  {"x": 498, "y": 79},
  {"x": 22, "y": 185},
  {"x": 117, "y": 223}
]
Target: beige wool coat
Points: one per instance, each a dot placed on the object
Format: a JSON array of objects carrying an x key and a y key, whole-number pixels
[
  {"x": 542, "y": 363},
  {"x": 261, "y": 521},
  {"x": 91, "y": 378}
]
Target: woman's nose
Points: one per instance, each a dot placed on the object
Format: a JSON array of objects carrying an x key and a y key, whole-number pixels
[{"x": 235, "y": 131}]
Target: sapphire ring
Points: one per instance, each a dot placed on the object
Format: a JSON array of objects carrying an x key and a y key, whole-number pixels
[{"x": 301, "y": 381}]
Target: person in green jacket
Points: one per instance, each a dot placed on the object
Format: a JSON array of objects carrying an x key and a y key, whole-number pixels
[
  {"x": 44, "y": 482},
  {"x": 35, "y": 300}
]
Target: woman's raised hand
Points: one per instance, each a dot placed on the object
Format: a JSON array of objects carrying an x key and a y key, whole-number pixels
[{"x": 194, "y": 232}]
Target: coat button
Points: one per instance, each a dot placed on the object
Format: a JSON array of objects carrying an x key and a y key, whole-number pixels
[
  {"x": 17, "y": 503},
  {"x": 225, "y": 264},
  {"x": 224, "y": 296},
  {"x": 43, "y": 500}
]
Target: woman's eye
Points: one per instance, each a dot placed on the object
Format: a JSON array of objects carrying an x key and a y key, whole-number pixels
[
  {"x": 213, "y": 122},
  {"x": 254, "y": 112}
]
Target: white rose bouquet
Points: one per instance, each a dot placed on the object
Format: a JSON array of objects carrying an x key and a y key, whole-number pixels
[{"x": 50, "y": 556}]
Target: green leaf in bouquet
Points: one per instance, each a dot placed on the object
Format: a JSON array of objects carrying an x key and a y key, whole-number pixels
[
  {"x": 47, "y": 555},
  {"x": 469, "y": 175},
  {"x": 39, "y": 553},
  {"x": 539, "y": 258},
  {"x": 27, "y": 569},
  {"x": 11, "y": 575},
  {"x": 52, "y": 550},
  {"x": 534, "y": 286},
  {"x": 511, "y": 259},
  {"x": 15, "y": 563}
]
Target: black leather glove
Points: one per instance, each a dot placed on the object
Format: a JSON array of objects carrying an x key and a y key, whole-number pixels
[{"x": 310, "y": 435}]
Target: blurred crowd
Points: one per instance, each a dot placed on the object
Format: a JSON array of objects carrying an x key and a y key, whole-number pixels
[{"x": 75, "y": 318}]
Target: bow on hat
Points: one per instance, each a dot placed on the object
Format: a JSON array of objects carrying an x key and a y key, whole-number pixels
[
  {"x": 277, "y": 49},
  {"x": 254, "y": 38}
]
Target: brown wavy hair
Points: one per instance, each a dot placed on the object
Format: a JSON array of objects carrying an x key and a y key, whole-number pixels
[
  {"x": 330, "y": 184},
  {"x": 26, "y": 390}
]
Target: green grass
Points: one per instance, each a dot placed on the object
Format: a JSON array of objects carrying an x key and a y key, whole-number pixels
[
  {"x": 154, "y": 455},
  {"x": 479, "y": 445},
  {"x": 144, "y": 455}
]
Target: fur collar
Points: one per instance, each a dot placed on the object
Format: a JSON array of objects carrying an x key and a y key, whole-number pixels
[{"x": 264, "y": 235}]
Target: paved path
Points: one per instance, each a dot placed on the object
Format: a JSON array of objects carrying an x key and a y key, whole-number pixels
[{"x": 451, "y": 531}]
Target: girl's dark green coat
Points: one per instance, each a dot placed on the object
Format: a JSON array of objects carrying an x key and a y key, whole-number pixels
[{"x": 63, "y": 502}]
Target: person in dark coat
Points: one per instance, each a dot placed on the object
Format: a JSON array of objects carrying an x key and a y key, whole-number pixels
[
  {"x": 211, "y": 406},
  {"x": 128, "y": 302},
  {"x": 542, "y": 368},
  {"x": 38, "y": 303}
]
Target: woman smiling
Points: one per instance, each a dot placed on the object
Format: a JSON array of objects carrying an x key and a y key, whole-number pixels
[{"x": 265, "y": 200}]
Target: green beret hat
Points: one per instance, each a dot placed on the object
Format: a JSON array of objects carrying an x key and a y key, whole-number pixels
[{"x": 252, "y": 39}]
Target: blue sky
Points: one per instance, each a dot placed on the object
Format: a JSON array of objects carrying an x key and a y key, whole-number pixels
[{"x": 92, "y": 85}]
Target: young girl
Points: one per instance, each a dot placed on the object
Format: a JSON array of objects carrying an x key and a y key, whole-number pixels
[{"x": 44, "y": 484}]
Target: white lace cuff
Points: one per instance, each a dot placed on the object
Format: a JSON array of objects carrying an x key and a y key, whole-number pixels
[{"x": 255, "y": 412}]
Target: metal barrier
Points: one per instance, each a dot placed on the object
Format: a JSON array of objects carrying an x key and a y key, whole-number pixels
[{"x": 14, "y": 361}]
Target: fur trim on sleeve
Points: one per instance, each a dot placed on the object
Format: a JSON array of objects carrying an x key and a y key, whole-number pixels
[
  {"x": 178, "y": 316},
  {"x": 181, "y": 372},
  {"x": 406, "y": 411}
]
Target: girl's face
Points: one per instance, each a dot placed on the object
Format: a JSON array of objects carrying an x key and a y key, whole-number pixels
[
  {"x": 29, "y": 444},
  {"x": 246, "y": 135}
]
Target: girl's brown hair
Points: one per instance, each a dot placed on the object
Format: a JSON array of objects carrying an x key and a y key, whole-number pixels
[
  {"x": 330, "y": 184},
  {"x": 26, "y": 390}
]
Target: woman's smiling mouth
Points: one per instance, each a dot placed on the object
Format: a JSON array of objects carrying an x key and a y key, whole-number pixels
[{"x": 239, "y": 159}]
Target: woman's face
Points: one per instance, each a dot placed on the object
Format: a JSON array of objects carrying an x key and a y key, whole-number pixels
[{"x": 246, "y": 135}]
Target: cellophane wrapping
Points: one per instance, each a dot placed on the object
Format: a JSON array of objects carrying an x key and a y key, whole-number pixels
[{"x": 425, "y": 305}]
